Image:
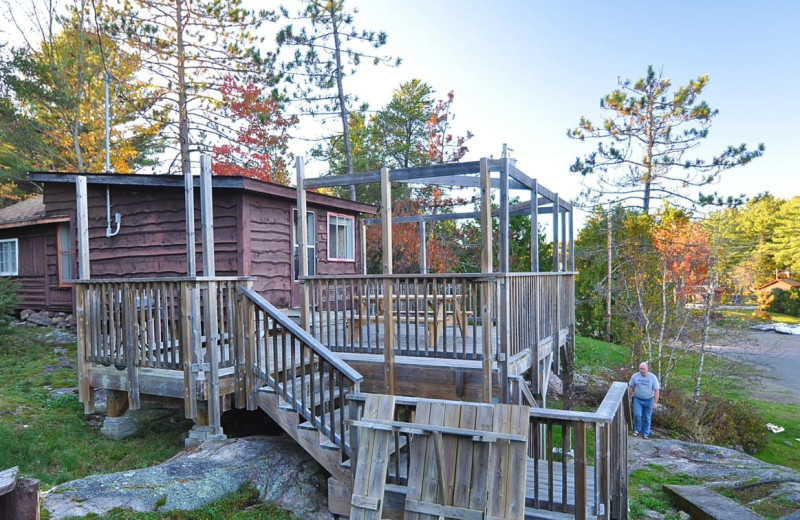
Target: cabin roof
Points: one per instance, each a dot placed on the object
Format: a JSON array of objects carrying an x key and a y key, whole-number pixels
[
  {"x": 217, "y": 181},
  {"x": 26, "y": 213},
  {"x": 785, "y": 281}
]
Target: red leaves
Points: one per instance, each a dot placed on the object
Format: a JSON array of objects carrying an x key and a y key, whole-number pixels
[{"x": 262, "y": 137}]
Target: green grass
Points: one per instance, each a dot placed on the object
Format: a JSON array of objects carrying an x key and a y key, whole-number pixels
[
  {"x": 744, "y": 317},
  {"x": 50, "y": 438},
  {"x": 244, "y": 505},
  {"x": 645, "y": 491},
  {"x": 724, "y": 378}
]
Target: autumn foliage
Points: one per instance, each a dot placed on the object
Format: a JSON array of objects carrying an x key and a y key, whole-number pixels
[
  {"x": 260, "y": 149},
  {"x": 683, "y": 248}
]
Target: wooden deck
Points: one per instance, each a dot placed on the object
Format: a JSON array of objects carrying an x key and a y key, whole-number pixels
[{"x": 135, "y": 339}]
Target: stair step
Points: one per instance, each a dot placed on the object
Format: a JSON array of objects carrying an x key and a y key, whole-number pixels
[
  {"x": 307, "y": 426},
  {"x": 328, "y": 445}
]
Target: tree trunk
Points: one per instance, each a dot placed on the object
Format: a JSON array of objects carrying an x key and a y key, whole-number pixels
[{"x": 348, "y": 151}]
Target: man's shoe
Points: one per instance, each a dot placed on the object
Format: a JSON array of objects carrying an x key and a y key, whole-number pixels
[
  {"x": 635, "y": 434},
  {"x": 645, "y": 436}
]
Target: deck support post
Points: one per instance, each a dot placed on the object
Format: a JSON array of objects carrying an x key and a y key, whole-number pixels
[
  {"x": 302, "y": 243},
  {"x": 486, "y": 287},
  {"x": 388, "y": 315},
  {"x": 503, "y": 312}
]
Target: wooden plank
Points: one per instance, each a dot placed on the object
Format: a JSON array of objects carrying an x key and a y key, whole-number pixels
[
  {"x": 373, "y": 458},
  {"x": 480, "y": 460},
  {"x": 462, "y": 481}
]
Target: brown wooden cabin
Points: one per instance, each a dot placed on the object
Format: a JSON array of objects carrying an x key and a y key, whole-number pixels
[
  {"x": 408, "y": 389},
  {"x": 253, "y": 226},
  {"x": 32, "y": 254}
]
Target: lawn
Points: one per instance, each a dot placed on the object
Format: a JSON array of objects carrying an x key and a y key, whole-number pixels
[{"x": 46, "y": 434}]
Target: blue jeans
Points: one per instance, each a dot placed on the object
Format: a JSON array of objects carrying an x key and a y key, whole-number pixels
[{"x": 642, "y": 411}]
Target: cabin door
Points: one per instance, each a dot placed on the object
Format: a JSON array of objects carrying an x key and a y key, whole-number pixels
[{"x": 312, "y": 254}]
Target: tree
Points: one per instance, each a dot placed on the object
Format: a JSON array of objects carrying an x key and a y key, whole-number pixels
[
  {"x": 189, "y": 47},
  {"x": 53, "y": 114},
  {"x": 646, "y": 142},
  {"x": 326, "y": 52},
  {"x": 261, "y": 149}
]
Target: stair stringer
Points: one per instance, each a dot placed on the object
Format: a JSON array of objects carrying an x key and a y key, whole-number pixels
[{"x": 309, "y": 439}]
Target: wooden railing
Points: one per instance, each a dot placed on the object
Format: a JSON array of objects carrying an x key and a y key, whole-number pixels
[
  {"x": 540, "y": 306},
  {"x": 541, "y": 309},
  {"x": 561, "y": 455},
  {"x": 431, "y": 315},
  {"x": 294, "y": 365},
  {"x": 176, "y": 324},
  {"x": 608, "y": 462}
]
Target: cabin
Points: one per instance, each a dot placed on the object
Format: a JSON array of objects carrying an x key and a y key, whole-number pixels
[
  {"x": 784, "y": 284},
  {"x": 420, "y": 394},
  {"x": 137, "y": 228},
  {"x": 31, "y": 253}
]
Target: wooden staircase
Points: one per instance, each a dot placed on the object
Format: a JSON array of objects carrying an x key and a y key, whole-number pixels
[{"x": 303, "y": 386}]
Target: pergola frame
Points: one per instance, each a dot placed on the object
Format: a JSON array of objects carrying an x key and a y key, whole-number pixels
[{"x": 486, "y": 174}]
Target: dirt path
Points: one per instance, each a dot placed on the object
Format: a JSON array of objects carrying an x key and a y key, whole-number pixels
[{"x": 777, "y": 355}]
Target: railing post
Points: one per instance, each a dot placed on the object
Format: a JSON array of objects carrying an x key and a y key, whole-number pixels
[
  {"x": 212, "y": 357},
  {"x": 187, "y": 351},
  {"x": 131, "y": 346},
  {"x": 85, "y": 393},
  {"x": 246, "y": 343}
]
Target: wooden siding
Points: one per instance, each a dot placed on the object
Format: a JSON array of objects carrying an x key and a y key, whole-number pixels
[
  {"x": 252, "y": 235},
  {"x": 38, "y": 269}
]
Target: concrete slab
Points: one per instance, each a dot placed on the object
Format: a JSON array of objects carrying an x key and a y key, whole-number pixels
[{"x": 703, "y": 503}]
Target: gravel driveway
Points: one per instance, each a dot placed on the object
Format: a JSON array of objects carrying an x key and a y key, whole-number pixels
[{"x": 778, "y": 355}]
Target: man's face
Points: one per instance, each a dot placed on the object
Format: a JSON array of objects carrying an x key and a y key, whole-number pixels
[{"x": 643, "y": 369}]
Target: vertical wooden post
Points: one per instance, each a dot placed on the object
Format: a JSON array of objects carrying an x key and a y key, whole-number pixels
[
  {"x": 486, "y": 287},
  {"x": 535, "y": 227},
  {"x": 423, "y": 247},
  {"x": 503, "y": 314},
  {"x": 188, "y": 351},
  {"x": 82, "y": 202},
  {"x": 571, "y": 238},
  {"x": 85, "y": 393},
  {"x": 188, "y": 197},
  {"x": 129, "y": 314},
  {"x": 555, "y": 233},
  {"x": 388, "y": 325},
  {"x": 207, "y": 216},
  {"x": 212, "y": 356},
  {"x": 564, "y": 243},
  {"x": 302, "y": 244},
  {"x": 211, "y": 301}
]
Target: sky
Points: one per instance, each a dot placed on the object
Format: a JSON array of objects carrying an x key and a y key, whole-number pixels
[{"x": 523, "y": 72}]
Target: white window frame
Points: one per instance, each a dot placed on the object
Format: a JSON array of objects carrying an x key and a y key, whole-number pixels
[
  {"x": 312, "y": 244},
  {"x": 66, "y": 264},
  {"x": 349, "y": 222},
  {"x": 9, "y": 270}
]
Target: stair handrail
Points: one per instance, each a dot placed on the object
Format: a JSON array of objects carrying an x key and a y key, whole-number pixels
[{"x": 287, "y": 323}]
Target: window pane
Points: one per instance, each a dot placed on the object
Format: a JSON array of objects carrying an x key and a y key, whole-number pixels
[{"x": 8, "y": 257}]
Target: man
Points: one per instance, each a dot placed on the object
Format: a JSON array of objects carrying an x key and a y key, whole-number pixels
[{"x": 644, "y": 389}]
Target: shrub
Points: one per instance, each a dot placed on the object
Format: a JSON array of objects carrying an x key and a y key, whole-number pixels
[
  {"x": 785, "y": 302},
  {"x": 8, "y": 295},
  {"x": 712, "y": 420}
]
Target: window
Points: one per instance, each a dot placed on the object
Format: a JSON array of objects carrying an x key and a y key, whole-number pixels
[
  {"x": 9, "y": 251},
  {"x": 312, "y": 250},
  {"x": 340, "y": 237},
  {"x": 65, "y": 257}
]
